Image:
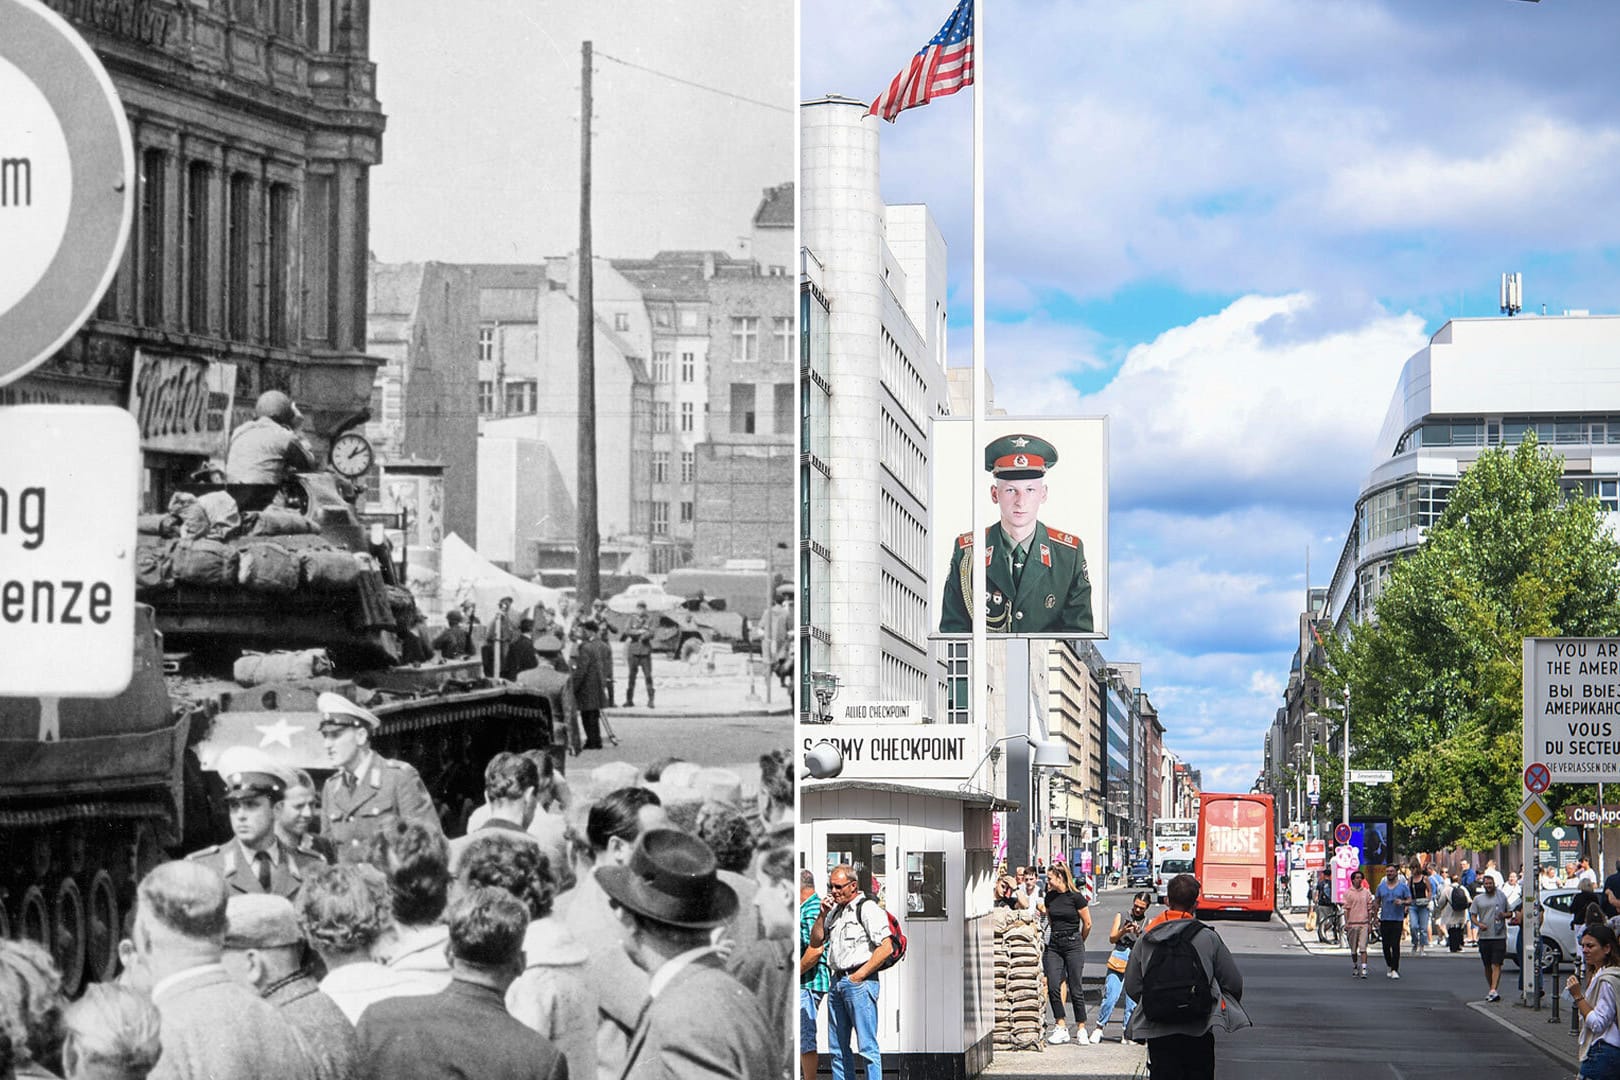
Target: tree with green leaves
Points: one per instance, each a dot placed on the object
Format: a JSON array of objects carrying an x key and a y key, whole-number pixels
[{"x": 1435, "y": 675}]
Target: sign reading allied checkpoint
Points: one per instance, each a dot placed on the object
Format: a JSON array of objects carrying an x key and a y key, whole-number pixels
[
  {"x": 1572, "y": 709},
  {"x": 69, "y": 482},
  {"x": 67, "y": 184}
]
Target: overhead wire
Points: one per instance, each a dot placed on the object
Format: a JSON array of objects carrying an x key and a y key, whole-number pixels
[{"x": 695, "y": 85}]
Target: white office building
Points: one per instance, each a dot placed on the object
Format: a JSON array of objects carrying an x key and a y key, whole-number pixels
[{"x": 1481, "y": 383}]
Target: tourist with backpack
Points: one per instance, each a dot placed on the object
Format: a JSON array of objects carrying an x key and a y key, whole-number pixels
[
  {"x": 1186, "y": 984},
  {"x": 860, "y": 941},
  {"x": 1455, "y": 914}
]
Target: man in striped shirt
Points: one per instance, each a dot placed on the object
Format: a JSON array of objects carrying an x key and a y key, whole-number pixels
[{"x": 814, "y": 977}]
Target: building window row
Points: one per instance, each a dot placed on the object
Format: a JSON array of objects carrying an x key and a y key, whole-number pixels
[
  {"x": 660, "y": 467},
  {"x": 902, "y": 379},
  {"x": 1511, "y": 431},
  {"x": 901, "y": 681},
  {"x": 903, "y": 534},
  {"x": 1604, "y": 491},
  {"x": 902, "y": 611},
  {"x": 903, "y": 457},
  {"x": 1411, "y": 504}
]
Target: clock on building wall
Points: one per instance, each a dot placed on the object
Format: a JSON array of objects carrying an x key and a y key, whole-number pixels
[{"x": 351, "y": 455}]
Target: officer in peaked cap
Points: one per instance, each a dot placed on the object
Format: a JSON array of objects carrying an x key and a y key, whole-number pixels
[
  {"x": 1035, "y": 574},
  {"x": 368, "y": 792},
  {"x": 254, "y": 860}
]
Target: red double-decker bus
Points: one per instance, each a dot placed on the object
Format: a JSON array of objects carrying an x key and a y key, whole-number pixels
[{"x": 1235, "y": 863}]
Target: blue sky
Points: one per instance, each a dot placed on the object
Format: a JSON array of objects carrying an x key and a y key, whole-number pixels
[{"x": 1227, "y": 225}]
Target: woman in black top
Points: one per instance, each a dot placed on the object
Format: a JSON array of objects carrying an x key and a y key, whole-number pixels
[
  {"x": 1422, "y": 908},
  {"x": 1066, "y": 909}
]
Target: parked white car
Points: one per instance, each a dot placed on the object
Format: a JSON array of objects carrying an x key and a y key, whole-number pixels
[{"x": 1560, "y": 945}]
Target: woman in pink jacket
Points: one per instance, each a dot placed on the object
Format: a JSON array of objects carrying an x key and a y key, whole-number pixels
[{"x": 1358, "y": 914}]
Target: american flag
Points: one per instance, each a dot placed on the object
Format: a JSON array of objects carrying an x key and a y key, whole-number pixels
[{"x": 941, "y": 67}]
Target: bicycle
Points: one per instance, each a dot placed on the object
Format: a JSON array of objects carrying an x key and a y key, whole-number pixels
[{"x": 1329, "y": 924}]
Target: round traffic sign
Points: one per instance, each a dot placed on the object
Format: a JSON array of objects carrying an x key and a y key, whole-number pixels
[
  {"x": 1341, "y": 834},
  {"x": 1537, "y": 778},
  {"x": 67, "y": 187}
]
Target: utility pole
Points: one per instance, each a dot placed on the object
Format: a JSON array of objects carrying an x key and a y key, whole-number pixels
[{"x": 587, "y": 563}]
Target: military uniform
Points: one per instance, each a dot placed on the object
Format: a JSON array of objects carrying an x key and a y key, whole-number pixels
[
  {"x": 638, "y": 632},
  {"x": 1049, "y": 591},
  {"x": 236, "y": 864},
  {"x": 359, "y": 804}
]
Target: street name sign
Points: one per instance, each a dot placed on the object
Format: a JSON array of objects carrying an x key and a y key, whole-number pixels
[
  {"x": 1533, "y": 812},
  {"x": 67, "y": 184},
  {"x": 1372, "y": 776},
  {"x": 1572, "y": 709},
  {"x": 69, "y": 482}
]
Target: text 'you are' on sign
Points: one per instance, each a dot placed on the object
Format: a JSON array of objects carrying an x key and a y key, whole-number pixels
[{"x": 69, "y": 484}]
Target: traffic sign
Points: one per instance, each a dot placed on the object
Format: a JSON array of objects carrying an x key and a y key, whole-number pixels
[
  {"x": 1341, "y": 834},
  {"x": 1372, "y": 776},
  {"x": 69, "y": 478},
  {"x": 67, "y": 190},
  {"x": 1533, "y": 812},
  {"x": 1571, "y": 686},
  {"x": 1537, "y": 778}
]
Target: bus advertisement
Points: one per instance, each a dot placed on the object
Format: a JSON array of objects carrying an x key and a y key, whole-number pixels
[
  {"x": 1173, "y": 850},
  {"x": 1235, "y": 844}
]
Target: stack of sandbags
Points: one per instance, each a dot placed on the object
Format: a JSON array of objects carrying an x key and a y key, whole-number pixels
[{"x": 1020, "y": 995}]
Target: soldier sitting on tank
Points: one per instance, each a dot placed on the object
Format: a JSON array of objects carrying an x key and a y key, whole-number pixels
[
  {"x": 454, "y": 641},
  {"x": 368, "y": 791},
  {"x": 267, "y": 450},
  {"x": 255, "y": 860}
]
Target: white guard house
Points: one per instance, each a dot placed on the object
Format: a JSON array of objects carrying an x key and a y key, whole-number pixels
[{"x": 903, "y": 813}]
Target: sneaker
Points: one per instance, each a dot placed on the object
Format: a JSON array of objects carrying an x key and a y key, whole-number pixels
[
  {"x": 1096, "y": 1036},
  {"x": 1058, "y": 1037},
  {"x": 1363, "y": 972},
  {"x": 1493, "y": 996},
  {"x": 1394, "y": 974}
]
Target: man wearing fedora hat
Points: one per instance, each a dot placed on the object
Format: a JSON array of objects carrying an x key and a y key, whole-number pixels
[
  {"x": 368, "y": 791},
  {"x": 255, "y": 860},
  {"x": 699, "y": 1022},
  {"x": 1035, "y": 575}
]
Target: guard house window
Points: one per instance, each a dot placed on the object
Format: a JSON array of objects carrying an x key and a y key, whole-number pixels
[
  {"x": 279, "y": 241},
  {"x": 688, "y": 466},
  {"x": 660, "y": 466},
  {"x": 154, "y": 233},
  {"x": 782, "y": 330},
  {"x": 686, "y": 512},
  {"x": 742, "y": 408},
  {"x": 865, "y": 853},
  {"x": 660, "y": 518},
  {"x": 744, "y": 338},
  {"x": 660, "y": 417},
  {"x": 486, "y": 344},
  {"x": 199, "y": 177},
  {"x": 687, "y": 417},
  {"x": 925, "y": 884},
  {"x": 688, "y": 366},
  {"x": 519, "y": 397},
  {"x": 621, "y": 321},
  {"x": 661, "y": 366},
  {"x": 486, "y": 397},
  {"x": 238, "y": 254}
]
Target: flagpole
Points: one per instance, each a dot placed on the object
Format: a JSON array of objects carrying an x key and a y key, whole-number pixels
[{"x": 980, "y": 661}]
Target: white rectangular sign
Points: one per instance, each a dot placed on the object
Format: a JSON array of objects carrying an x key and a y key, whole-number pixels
[
  {"x": 70, "y": 477},
  {"x": 182, "y": 403},
  {"x": 1572, "y": 708},
  {"x": 900, "y": 751},
  {"x": 1372, "y": 776},
  {"x": 878, "y": 712}
]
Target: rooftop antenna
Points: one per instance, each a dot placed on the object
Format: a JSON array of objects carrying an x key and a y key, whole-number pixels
[{"x": 1512, "y": 294}]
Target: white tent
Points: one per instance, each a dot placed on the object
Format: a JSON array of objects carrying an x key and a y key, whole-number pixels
[{"x": 466, "y": 575}]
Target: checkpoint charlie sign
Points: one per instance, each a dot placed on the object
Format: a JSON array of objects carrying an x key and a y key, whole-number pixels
[
  {"x": 1572, "y": 708},
  {"x": 901, "y": 751},
  {"x": 67, "y": 184}
]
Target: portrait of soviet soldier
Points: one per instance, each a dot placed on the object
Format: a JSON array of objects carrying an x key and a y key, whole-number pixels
[{"x": 1035, "y": 574}]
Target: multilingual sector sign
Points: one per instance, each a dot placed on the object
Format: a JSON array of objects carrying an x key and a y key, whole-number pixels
[
  {"x": 67, "y": 184},
  {"x": 1572, "y": 708}
]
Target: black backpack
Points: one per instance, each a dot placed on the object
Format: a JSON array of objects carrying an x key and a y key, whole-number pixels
[
  {"x": 1175, "y": 986},
  {"x": 1459, "y": 898}
]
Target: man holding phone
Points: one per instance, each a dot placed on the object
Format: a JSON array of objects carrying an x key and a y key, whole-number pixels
[{"x": 855, "y": 931}]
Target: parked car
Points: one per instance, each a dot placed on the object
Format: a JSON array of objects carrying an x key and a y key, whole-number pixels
[{"x": 1559, "y": 943}]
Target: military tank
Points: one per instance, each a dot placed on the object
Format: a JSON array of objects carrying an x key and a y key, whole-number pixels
[{"x": 93, "y": 793}]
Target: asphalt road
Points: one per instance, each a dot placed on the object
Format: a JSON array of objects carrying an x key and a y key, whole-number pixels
[{"x": 1313, "y": 1022}]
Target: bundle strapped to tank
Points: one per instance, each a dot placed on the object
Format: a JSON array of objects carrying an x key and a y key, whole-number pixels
[{"x": 421, "y": 713}]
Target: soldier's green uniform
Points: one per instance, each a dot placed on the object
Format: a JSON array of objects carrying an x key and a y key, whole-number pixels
[{"x": 1049, "y": 591}]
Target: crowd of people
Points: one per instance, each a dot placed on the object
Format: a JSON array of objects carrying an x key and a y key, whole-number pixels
[{"x": 611, "y": 937}]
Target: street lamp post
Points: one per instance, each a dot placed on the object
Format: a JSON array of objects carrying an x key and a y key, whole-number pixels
[{"x": 1346, "y": 779}]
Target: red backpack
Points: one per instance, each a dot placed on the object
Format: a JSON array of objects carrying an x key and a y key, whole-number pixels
[{"x": 896, "y": 935}]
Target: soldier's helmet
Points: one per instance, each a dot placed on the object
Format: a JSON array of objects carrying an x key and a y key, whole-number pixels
[{"x": 275, "y": 405}]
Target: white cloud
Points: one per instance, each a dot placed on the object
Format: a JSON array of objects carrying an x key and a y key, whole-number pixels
[
  {"x": 1266, "y": 683},
  {"x": 1034, "y": 363}
]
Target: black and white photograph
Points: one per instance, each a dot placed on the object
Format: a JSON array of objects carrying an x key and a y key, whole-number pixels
[{"x": 398, "y": 433}]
